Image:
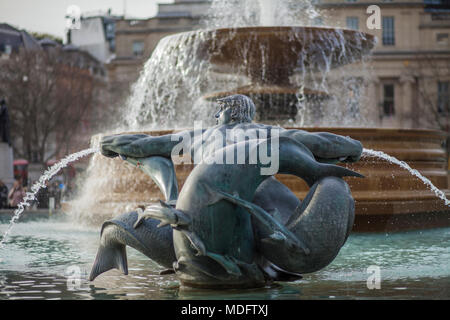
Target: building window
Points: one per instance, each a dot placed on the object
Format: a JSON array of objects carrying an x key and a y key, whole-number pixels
[
  {"x": 353, "y": 23},
  {"x": 440, "y": 16},
  {"x": 442, "y": 38},
  {"x": 110, "y": 31},
  {"x": 388, "y": 31},
  {"x": 436, "y": 3},
  {"x": 388, "y": 100},
  {"x": 8, "y": 49},
  {"x": 443, "y": 103},
  {"x": 138, "y": 48}
]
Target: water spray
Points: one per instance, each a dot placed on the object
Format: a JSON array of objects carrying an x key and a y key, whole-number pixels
[
  {"x": 414, "y": 172},
  {"x": 38, "y": 185}
]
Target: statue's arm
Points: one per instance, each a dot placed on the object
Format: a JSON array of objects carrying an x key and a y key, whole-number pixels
[
  {"x": 139, "y": 145},
  {"x": 328, "y": 147}
]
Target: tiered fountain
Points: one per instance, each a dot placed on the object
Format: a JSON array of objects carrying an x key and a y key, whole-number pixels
[
  {"x": 46, "y": 259},
  {"x": 263, "y": 63}
]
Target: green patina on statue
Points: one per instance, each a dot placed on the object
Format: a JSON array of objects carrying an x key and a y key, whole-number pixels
[{"x": 232, "y": 225}]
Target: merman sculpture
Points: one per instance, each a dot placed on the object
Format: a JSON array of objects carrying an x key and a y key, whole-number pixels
[{"x": 233, "y": 225}]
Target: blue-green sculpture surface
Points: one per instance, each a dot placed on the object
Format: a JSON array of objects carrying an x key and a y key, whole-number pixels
[{"x": 233, "y": 225}]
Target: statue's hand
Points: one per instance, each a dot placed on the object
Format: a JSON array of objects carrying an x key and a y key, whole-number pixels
[
  {"x": 353, "y": 155},
  {"x": 105, "y": 147},
  {"x": 356, "y": 152},
  {"x": 110, "y": 146},
  {"x": 126, "y": 145}
]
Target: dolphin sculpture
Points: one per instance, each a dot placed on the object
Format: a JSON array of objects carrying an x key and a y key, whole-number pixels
[{"x": 225, "y": 232}]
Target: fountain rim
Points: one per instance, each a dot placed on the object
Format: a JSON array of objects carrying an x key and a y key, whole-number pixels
[
  {"x": 271, "y": 29},
  {"x": 304, "y": 47}
]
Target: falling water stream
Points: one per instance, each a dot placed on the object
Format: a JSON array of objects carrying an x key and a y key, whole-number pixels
[
  {"x": 30, "y": 196},
  {"x": 414, "y": 172}
]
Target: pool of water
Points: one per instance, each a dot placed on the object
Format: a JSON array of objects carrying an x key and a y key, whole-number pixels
[{"x": 51, "y": 259}]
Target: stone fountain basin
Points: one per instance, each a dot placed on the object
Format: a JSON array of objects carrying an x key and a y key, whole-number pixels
[
  {"x": 273, "y": 54},
  {"x": 388, "y": 199}
]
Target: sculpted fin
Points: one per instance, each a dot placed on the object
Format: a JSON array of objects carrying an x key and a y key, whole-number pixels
[
  {"x": 140, "y": 217},
  {"x": 167, "y": 271},
  {"x": 277, "y": 274},
  {"x": 161, "y": 170},
  {"x": 185, "y": 261},
  {"x": 196, "y": 242},
  {"x": 112, "y": 256},
  {"x": 275, "y": 237},
  {"x": 330, "y": 170},
  {"x": 226, "y": 262},
  {"x": 213, "y": 195}
]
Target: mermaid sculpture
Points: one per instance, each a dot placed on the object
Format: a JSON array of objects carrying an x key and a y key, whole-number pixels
[{"x": 233, "y": 226}]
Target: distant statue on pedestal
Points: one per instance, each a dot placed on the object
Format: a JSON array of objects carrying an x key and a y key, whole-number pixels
[
  {"x": 5, "y": 127},
  {"x": 6, "y": 153}
]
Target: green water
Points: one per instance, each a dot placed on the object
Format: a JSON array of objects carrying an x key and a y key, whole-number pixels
[{"x": 51, "y": 259}]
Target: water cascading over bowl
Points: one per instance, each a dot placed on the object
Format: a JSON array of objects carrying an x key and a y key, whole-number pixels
[{"x": 268, "y": 57}]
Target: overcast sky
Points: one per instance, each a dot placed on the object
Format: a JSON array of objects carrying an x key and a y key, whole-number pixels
[{"x": 48, "y": 16}]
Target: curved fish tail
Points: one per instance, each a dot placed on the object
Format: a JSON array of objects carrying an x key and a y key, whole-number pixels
[
  {"x": 112, "y": 256},
  {"x": 156, "y": 243}
]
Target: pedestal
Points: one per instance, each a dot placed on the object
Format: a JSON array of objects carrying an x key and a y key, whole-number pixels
[{"x": 6, "y": 165}]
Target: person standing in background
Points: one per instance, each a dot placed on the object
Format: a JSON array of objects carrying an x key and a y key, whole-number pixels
[{"x": 16, "y": 194}]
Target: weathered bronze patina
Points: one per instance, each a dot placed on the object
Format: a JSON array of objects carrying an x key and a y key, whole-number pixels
[{"x": 232, "y": 226}]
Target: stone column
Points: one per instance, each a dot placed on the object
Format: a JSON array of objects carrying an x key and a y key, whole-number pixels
[
  {"x": 406, "y": 109},
  {"x": 6, "y": 165}
]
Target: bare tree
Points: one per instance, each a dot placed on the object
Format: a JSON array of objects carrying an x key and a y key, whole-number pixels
[
  {"x": 51, "y": 99},
  {"x": 432, "y": 74}
]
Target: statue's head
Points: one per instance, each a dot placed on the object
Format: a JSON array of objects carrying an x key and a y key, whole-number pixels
[
  {"x": 236, "y": 108},
  {"x": 2, "y": 101}
]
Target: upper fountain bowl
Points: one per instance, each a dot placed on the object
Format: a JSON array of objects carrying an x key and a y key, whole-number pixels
[{"x": 272, "y": 54}]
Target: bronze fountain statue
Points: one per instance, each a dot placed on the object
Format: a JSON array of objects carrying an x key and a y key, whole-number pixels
[{"x": 232, "y": 226}]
